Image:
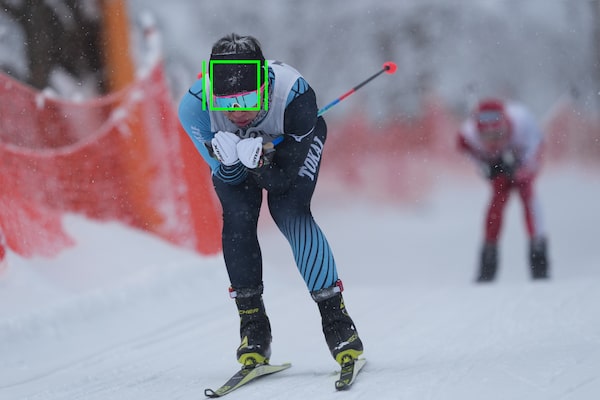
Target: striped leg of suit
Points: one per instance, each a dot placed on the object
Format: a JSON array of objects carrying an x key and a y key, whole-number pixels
[{"x": 312, "y": 253}]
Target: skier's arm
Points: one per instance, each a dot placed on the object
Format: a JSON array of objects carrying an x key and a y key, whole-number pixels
[
  {"x": 300, "y": 120},
  {"x": 529, "y": 142},
  {"x": 195, "y": 120},
  {"x": 477, "y": 156},
  {"x": 490, "y": 167}
]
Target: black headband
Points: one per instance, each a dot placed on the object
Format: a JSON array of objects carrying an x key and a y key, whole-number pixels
[{"x": 232, "y": 78}]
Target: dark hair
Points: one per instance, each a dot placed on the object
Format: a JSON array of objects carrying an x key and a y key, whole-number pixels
[
  {"x": 234, "y": 78},
  {"x": 234, "y": 44}
]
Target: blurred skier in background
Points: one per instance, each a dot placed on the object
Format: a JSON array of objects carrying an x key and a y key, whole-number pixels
[
  {"x": 504, "y": 140},
  {"x": 225, "y": 115}
]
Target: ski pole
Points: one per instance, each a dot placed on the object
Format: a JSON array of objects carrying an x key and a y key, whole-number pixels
[{"x": 389, "y": 67}]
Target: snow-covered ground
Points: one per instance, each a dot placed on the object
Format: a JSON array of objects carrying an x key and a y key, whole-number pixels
[{"x": 124, "y": 315}]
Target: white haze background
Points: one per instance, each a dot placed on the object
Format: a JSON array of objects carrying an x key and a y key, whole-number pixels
[
  {"x": 535, "y": 51},
  {"x": 124, "y": 315}
]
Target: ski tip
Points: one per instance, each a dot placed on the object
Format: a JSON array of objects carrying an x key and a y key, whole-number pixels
[
  {"x": 279, "y": 367},
  {"x": 211, "y": 393},
  {"x": 245, "y": 376}
]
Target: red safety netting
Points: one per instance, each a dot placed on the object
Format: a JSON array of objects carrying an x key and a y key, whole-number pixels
[{"x": 119, "y": 157}]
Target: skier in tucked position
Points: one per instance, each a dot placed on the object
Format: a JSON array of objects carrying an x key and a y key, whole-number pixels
[
  {"x": 238, "y": 147},
  {"x": 504, "y": 139}
]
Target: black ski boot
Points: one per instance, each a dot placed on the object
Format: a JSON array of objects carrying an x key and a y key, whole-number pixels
[
  {"x": 489, "y": 263},
  {"x": 340, "y": 333},
  {"x": 538, "y": 260},
  {"x": 255, "y": 329}
]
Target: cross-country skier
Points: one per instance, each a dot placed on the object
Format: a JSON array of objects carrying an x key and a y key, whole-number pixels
[
  {"x": 232, "y": 127},
  {"x": 504, "y": 139}
]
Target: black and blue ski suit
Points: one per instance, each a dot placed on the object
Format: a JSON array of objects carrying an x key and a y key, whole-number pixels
[{"x": 289, "y": 179}]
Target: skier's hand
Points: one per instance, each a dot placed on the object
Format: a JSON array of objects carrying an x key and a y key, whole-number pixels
[
  {"x": 224, "y": 147},
  {"x": 250, "y": 152},
  {"x": 495, "y": 168},
  {"x": 506, "y": 163},
  {"x": 500, "y": 166},
  {"x": 268, "y": 151}
]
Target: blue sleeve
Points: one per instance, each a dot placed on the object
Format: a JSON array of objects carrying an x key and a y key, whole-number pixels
[{"x": 195, "y": 120}]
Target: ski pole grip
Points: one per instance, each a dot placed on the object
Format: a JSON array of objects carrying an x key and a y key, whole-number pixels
[{"x": 271, "y": 145}]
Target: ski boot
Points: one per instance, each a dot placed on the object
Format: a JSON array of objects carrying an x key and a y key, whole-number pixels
[
  {"x": 538, "y": 260},
  {"x": 255, "y": 328},
  {"x": 489, "y": 263},
  {"x": 340, "y": 333}
]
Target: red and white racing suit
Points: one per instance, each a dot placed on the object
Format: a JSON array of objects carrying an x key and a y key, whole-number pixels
[{"x": 521, "y": 154}]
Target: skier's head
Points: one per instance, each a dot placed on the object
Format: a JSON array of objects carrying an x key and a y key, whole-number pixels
[
  {"x": 237, "y": 77},
  {"x": 492, "y": 123},
  {"x": 236, "y": 69}
]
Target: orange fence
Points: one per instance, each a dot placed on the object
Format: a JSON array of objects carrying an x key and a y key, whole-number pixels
[
  {"x": 120, "y": 157},
  {"x": 572, "y": 133},
  {"x": 124, "y": 157},
  {"x": 398, "y": 158}
]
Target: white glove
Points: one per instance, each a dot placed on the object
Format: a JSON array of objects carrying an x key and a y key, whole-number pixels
[
  {"x": 249, "y": 151},
  {"x": 224, "y": 147}
]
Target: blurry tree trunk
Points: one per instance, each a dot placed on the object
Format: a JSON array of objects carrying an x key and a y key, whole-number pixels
[{"x": 62, "y": 34}]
